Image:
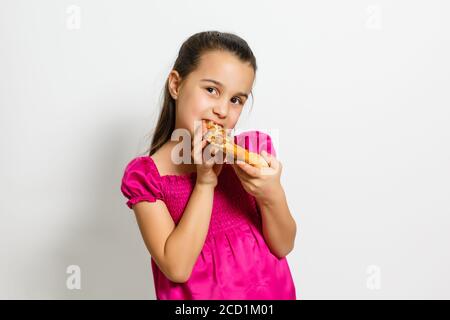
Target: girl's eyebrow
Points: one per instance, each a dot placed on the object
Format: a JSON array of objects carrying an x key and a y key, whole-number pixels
[{"x": 220, "y": 84}]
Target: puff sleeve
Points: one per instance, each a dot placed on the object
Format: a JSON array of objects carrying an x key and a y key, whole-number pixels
[
  {"x": 141, "y": 182},
  {"x": 256, "y": 141}
]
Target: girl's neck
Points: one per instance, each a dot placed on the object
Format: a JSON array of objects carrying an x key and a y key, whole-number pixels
[{"x": 164, "y": 158}]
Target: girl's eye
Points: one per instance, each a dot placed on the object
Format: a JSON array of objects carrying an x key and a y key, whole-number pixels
[
  {"x": 238, "y": 99},
  {"x": 215, "y": 91},
  {"x": 208, "y": 89}
]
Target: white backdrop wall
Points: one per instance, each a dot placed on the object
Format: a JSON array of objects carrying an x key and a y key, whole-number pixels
[{"x": 358, "y": 91}]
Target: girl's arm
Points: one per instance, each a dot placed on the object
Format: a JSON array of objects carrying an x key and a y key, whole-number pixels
[
  {"x": 185, "y": 243},
  {"x": 279, "y": 227},
  {"x": 175, "y": 249}
]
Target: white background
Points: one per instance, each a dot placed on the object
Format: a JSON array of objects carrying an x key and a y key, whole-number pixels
[{"x": 359, "y": 91}]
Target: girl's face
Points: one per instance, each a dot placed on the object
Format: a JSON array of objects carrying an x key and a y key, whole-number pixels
[{"x": 217, "y": 90}]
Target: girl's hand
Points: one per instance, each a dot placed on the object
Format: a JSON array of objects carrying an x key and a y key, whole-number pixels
[
  {"x": 260, "y": 182},
  {"x": 203, "y": 155}
]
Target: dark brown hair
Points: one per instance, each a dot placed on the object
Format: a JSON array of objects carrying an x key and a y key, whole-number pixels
[{"x": 187, "y": 61}]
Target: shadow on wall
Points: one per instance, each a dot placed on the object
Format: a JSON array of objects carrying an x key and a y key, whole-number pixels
[{"x": 107, "y": 245}]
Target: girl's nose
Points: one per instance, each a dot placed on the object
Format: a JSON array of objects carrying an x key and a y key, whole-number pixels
[{"x": 221, "y": 109}]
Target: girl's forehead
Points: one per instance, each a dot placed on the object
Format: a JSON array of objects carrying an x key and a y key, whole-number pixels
[
  {"x": 226, "y": 69},
  {"x": 222, "y": 61}
]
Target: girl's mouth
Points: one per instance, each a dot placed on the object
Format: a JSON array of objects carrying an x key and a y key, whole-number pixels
[{"x": 212, "y": 123}]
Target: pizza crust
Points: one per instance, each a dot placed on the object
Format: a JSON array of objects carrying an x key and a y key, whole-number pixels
[{"x": 217, "y": 136}]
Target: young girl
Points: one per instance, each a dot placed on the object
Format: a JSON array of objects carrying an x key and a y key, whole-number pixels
[{"x": 213, "y": 230}]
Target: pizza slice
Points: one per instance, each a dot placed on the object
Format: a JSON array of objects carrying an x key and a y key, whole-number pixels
[{"x": 217, "y": 136}]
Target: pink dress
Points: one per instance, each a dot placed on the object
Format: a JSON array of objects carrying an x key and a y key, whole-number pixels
[{"x": 235, "y": 261}]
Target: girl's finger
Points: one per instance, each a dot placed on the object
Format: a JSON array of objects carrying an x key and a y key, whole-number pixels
[
  {"x": 271, "y": 160},
  {"x": 213, "y": 151},
  {"x": 210, "y": 162},
  {"x": 266, "y": 157},
  {"x": 249, "y": 169},
  {"x": 197, "y": 151},
  {"x": 241, "y": 173},
  {"x": 237, "y": 170}
]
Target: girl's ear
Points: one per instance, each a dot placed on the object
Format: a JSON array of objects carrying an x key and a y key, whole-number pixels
[{"x": 174, "y": 83}]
